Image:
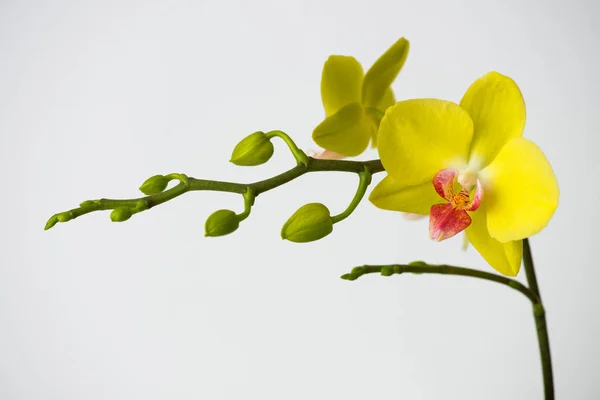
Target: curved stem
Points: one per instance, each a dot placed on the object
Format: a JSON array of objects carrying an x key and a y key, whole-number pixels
[
  {"x": 363, "y": 184},
  {"x": 249, "y": 198},
  {"x": 423, "y": 268},
  {"x": 189, "y": 184},
  {"x": 532, "y": 293},
  {"x": 299, "y": 155},
  {"x": 539, "y": 315}
]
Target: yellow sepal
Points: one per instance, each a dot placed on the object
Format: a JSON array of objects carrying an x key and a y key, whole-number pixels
[
  {"x": 497, "y": 108},
  {"x": 383, "y": 72},
  {"x": 341, "y": 83}
]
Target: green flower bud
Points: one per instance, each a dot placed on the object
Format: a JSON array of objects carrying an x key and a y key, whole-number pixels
[
  {"x": 88, "y": 203},
  {"x": 357, "y": 271},
  {"x": 120, "y": 214},
  {"x": 65, "y": 216},
  {"x": 51, "y": 222},
  {"x": 154, "y": 185},
  {"x": 141, "y": 205},
  {"x": 418, "y": 263},
  {"x": 311, "y": 222},
  {"x": 387, "y": 270},
  {"x": 254, "y": 149},
  {"x": 221, "y": 223}
]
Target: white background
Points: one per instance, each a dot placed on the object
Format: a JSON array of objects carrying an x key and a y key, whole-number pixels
[{"x": 97, "y": 96}]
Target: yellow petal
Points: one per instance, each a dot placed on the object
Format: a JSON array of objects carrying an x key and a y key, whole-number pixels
[
  {"x": 503, "y": 257},
  {"x": 386, "y": 101},
  {"x": 497, "y": 108},
  {"x": 391, "y": 194},
  {"x": 383, "y": 72},
  {"x": 417, "y": 138},
  {"x": 341, "y": 83},
  {"x": 346, "y": 132},
  {"x": 522, "y": 191}
]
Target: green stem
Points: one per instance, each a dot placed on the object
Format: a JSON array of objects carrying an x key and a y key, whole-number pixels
[
  {"x": 299, "y": 155},
  {"x": 180, "y": 177},
  {"x": 189, "y": 184},
  {"x": 363, "y": 184},
  {"x": 420, "y": 267},
  {"x": 249, "y": 198},
  {"x": 539, "y": 315},
  {"x": 532, "y": 293}
]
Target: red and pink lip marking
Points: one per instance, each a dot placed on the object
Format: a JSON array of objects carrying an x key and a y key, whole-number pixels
[{"x": 448, "y": 219}]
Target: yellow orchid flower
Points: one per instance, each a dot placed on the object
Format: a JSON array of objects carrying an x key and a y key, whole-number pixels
[
  {"x": 355, "y": 102},
  {"x": 468, "y": 168}
]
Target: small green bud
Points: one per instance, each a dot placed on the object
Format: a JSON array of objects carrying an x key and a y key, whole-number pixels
[
  {"x": 387, "y": 270},
  {"x": 141, "y": 205},
  {"x": 51, "y": 222},
  {"x": 254, "y": 149},
  {"x": 348, "y": 277},
  {"x": 65, "y": 216},
  {"x": 418, "y": 263},
  {"x": 311, "y": 222},
  {"x": 154, "y": 185},
  {"x": 221, "y": 223},
  {"x": 88, "y": 203},
  {"x": 120, "y": 214},
  {"x": 357, "y": 271}
]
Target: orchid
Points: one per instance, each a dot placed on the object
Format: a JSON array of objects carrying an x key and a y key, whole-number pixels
[
  {"x": 355, "y": 102},
  {"x": 468, "y": 167}
]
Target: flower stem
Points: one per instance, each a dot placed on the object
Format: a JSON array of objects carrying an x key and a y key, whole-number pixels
[
  {"x": 419, "y": 267},
  {"x": 249, "y": 198},
  {"x": 299, "y": 155},
  {"x": 539, "y": 315},
  {"x": 189, "y": 184},
  {"x": 532, "y": 293},
  {"x": 363, "y": 184}
]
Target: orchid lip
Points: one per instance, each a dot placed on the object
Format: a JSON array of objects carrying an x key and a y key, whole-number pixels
[{"x": 448, "y": 219}]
